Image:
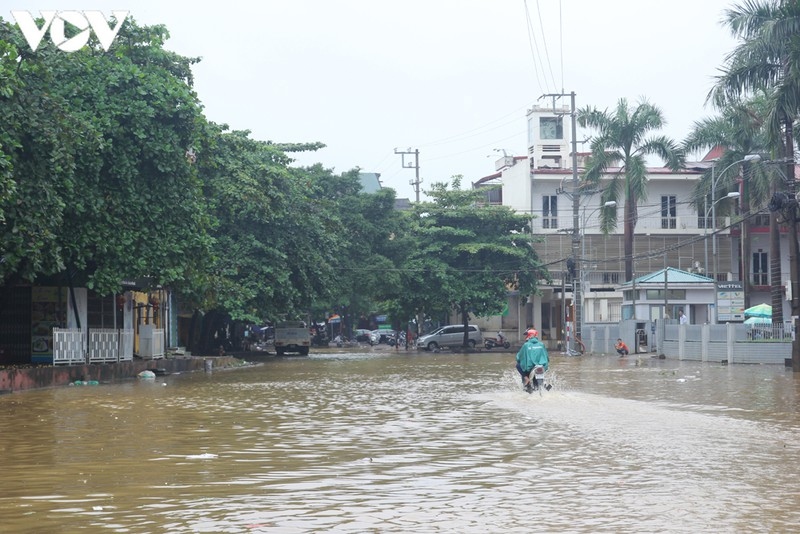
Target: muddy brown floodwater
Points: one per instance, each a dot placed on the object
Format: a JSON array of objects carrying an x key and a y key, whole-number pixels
[{"x": 396, "y": 442}]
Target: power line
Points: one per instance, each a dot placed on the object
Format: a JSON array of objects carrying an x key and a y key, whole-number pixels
[
  {"x": 657, "y": 253},
  {"x": 561, "y": 43},
  {"x": 469, "y": 133},
  {"x": 535, "y": 52},
  {"x": 544, "y": 43},
  {"x": 496, "y": 141}
]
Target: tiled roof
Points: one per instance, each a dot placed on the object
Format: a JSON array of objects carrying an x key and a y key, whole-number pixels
[
  {"x": 715, "y": 153},
  {"x": 674, "y": 276}
]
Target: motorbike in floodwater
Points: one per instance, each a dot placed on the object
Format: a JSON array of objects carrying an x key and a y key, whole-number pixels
[
  {"x": 499, "y": 341},
  {"x": 536, "y": 380}
]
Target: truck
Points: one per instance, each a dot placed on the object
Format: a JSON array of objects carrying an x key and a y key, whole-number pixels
[{"x": 292, "y": 336}]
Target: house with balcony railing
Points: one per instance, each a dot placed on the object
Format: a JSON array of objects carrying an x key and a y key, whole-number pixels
[{"x": 673, "y": 229}]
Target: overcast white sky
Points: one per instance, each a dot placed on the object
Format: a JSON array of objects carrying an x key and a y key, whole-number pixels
[{"x": 452, "y": 78}]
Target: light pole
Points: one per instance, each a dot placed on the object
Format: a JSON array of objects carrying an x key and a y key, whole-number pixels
[
  {"x": 732, "y": 194},
  {"x": 750, "y": 157},
  {"x": 714, "y": 176}
]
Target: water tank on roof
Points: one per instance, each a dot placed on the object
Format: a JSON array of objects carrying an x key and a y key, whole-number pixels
[{"x": 502, "y": 163}]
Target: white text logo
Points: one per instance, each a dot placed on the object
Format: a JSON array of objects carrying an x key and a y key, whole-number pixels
[{"x": 82, "y": 20}]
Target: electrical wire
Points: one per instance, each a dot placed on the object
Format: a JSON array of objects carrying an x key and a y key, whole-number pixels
[
  {"x": 544, "y": 43},
  {"x": 561, "y": 42},
  {"x": 656, "y": 253},
  {"x": 479, "y": 129},
  {"x": 491, "y": 143},
  {"x": 535, "y": 52}
]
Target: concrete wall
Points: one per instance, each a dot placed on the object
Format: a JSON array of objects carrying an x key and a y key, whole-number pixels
[
  {"x": 26, "y": 378},
  {"x": 731, "y": 342}
]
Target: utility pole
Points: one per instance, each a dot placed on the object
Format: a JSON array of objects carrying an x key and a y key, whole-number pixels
[
  {"x": 417, "y": 180},
  {"x": 794, "y": 256},
  {"x": 576, "y": 204},
  {"x": 788, "y": 203}
]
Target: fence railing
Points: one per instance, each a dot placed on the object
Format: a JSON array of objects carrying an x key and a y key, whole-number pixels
[
  {"x": 151, "y": 342},
  {"x": 72, "y": 346},
  {"x": 732, "y": 343},
  {"x": 769, "y": 332},
  {"x": 103, "y": 345},
  {"x": 729, "y": 342},
  {"x": 69, "y": 346},
  {"x": 683, "y": 223}
]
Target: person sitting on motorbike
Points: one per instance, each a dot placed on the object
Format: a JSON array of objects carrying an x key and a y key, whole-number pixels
[
  {"x": 531, "y": 354},
  {"x": 500, "y": 338}
]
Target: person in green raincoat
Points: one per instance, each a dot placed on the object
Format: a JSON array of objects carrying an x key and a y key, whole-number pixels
[{"x": 531, "y": 354}]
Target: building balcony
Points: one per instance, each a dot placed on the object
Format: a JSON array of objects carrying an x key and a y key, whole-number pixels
[
  {"x": 608, "y": 280},
  {"x": 691, "y": 224}
]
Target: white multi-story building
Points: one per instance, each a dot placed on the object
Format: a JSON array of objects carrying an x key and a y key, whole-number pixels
[{"x": 672, "y": 230}]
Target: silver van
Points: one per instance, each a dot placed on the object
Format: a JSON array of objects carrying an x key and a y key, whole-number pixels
[{"x": 450, "y": 336}]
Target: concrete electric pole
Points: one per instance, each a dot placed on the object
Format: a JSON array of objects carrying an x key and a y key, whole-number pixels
[
  {"x": 417, "y": 180},
  {"x": 576, "y": 233}
]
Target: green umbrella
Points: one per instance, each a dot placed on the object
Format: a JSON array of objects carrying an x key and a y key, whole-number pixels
[
  {"x": 758, "y": 320},
  {"x": 759, "y": 310}
]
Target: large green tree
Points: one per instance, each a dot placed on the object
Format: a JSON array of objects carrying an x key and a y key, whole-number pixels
[
  {"x": 97, "y": 146},
  {"x": 289, "y": 241},
  {"x": 767, "y": 59},
  {"x": 39, "y": 141},
  {"x": 739, "y": 130},
  {"x": 467, "y": 255},
  {"x": 366, "y": 246},
  {"x": 622, "y": 140}
]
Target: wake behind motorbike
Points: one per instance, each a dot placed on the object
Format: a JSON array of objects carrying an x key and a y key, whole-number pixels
[{"x": 537, "y": 380}]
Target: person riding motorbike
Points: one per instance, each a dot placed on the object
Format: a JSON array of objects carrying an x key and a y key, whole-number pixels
[{"x": 531, "y": 354}]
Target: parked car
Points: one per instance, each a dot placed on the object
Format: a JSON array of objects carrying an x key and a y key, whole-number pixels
[
  {"x": 363, "y": 335},
  {"x": 450, "y": 336}
]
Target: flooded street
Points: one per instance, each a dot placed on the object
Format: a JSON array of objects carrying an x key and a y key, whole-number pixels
[{"x": 419, "y": 442}]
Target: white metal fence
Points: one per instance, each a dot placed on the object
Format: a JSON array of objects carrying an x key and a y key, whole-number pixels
[
  {"x": 69, "y": 346},
  {"x": 103, "y": 345},
  {"x": 151, "y": 342},
  {"x": 125, "y": 345},
  {"x": 72, "y": 346}
]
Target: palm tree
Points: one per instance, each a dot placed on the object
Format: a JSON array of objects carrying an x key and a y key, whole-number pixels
[
  {"x": 622, "y": 140},
  {"x": 768, "y": 60},
  {"x": 740, "y": 131}
]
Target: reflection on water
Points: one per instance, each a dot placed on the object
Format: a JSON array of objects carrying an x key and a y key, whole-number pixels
[{"x": 386, "y": 442}]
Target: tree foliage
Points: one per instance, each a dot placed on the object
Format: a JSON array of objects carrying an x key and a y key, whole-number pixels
[
  {"x": 110, "y": 171},
  {"x": 740, "y": 131},
  {"x": 467, "y": 256},
  {"x": 767, "y": 61},
  {"x": 623, "y": 139},
  {"x": 101, "y": 185}
]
